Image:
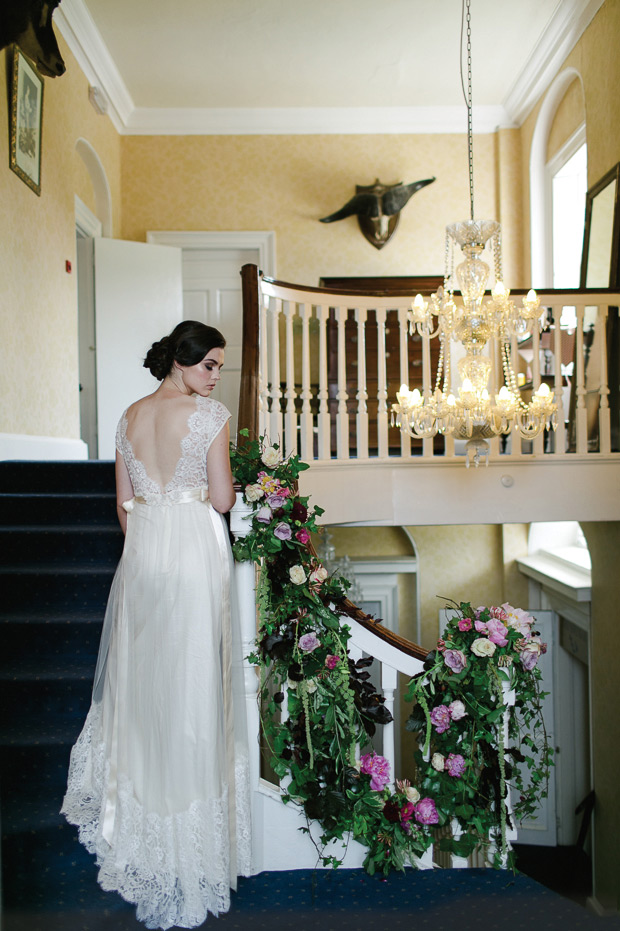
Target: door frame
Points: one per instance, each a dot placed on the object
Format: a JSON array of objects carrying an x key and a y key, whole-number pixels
[{"x": 263, "y": 241}]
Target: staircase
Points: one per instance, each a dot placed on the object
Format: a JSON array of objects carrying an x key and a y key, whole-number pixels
[{"x": 60, "y": 544}]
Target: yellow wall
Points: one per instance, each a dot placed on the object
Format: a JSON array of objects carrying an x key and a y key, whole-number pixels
[
  {"x": 286, "y": 183},
  {"x": 38, "y": 313}
]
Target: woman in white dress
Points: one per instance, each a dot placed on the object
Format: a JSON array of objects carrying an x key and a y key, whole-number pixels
[{"x": 158, "y": 781}]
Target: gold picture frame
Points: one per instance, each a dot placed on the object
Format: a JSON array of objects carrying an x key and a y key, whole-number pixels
[{"x": 26, "y": 121}]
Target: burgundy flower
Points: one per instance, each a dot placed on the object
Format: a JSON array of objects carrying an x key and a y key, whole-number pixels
[
  {"x": 392, "y": 811},
  {"x": 299, "y": 512}
]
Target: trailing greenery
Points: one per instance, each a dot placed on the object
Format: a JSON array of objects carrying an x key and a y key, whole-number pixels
[{"x": 319, "y": 705}]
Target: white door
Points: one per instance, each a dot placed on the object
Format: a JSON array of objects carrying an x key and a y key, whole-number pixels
[
  {"x": 212, "y": 295},
  {"x": 138, "y": 299}
]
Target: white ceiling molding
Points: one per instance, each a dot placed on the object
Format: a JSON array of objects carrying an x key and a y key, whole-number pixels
[
  {"x": 83, "y": 38},
  {"x": 569, "y": 22},
  {"x": 292, "y": 121},
  {"x": 78, "y": 28}
]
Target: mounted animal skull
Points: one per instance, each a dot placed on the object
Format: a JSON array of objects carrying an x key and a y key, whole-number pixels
[
  {"x": 28, "y": 23},
  {"x": 378, "y": 207}
]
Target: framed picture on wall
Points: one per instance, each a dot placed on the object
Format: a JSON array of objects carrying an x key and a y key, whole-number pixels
[
  {"x": 26, "y": 121},
  {"x": 600, "y": 265}
]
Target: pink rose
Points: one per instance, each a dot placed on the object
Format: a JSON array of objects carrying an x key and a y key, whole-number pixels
[
  {"x": 464, "y": 623},
  {"x": 331, "y": 661},
  {"x": 425, "y": 812},
  {"x": 497, "y": 632},
  {"x": 302, "y": 536}
]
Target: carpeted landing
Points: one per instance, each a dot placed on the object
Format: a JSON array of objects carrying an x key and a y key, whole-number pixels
[
  {"x": 347, "y": 900},
  {"x": 60, "y": 544}
]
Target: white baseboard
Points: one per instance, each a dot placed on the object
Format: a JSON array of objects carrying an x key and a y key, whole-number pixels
[
  {"x": 21, "y": 446},
  {"x": 594, "y": 906}
]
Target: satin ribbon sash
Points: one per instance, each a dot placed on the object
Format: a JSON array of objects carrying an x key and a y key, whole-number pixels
[{"x": 182, "y": 496}]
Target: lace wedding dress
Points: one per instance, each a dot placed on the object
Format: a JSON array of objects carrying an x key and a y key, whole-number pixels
[{"x": 158, "y": 781}]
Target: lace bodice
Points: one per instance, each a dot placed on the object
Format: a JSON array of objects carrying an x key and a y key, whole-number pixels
[{"x": 191, "y": 469}]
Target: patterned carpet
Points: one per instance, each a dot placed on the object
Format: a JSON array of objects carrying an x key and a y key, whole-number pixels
[{"x": 60, "y": 545}]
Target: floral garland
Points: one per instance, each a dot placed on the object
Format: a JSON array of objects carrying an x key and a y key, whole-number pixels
[{"x": 332, "y": 707}]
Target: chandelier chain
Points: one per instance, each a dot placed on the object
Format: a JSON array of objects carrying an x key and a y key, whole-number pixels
[{"x": 466, "y": 19}]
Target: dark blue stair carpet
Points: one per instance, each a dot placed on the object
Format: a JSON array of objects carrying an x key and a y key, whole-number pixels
[{"x": 345, "y": 900}]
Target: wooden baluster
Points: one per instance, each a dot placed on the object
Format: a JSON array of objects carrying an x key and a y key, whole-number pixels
[
  {"x": 324, "y": 421},
  {"x": 382, "y": 412},
  {"x": 290, "y": 419},
  {"x": 342, "y": 417},
  {"x": 559, "y": 439},
  {"x": 307, "y": 433},
  {"x": 427, "y": 391},
  {"x": 263, "y": 377},
  {"x": 403, "y": 348},
  {"x": 362, "y": 394},
  {"x": 581, "y": 415},
  {"x": 275, "y": 417},
  {"x": 538, "y": 443},
  {"x": 604, "y": 428},
  {"x": 250, "y": 363}
]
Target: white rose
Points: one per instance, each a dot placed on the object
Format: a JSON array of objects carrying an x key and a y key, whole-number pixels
[
  {"x": 291, "y": 684},
  {"x": 271, "y": 457},
  {"x": 253, "y": 492},
  {"x": 438, "y": 762},
  {"x": 412, "y": 794},
  {"x": 297, "y": 575},
  {"x": 311, "y": 686},
  {"x": 457, "y": 709},
  {"x": 483, "y": 647},
  {"x": 318, "y": 575}
]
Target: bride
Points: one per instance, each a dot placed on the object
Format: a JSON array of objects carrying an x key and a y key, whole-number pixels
[{"x": 158, "y": 780}]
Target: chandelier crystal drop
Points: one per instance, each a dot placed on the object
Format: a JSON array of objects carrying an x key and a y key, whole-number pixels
[{"x": 472, "y": 319}]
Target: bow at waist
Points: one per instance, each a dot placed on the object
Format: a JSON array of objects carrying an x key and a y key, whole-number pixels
[{"x": 180, "y": 496}]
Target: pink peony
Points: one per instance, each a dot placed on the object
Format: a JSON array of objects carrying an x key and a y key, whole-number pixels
[
  {"x": 440, "y": 716},
  {"x": 518, "y": 619},
  {"x": 497, "y": 632},
  {"x": 457, "y": 709},
  {"x": 465, "y": 623},
  {"x": 425, "y": 812},
  {"x": 378, "y": 768},
  {"x": 455, "y": 660},
  {"x": 455, "y": 765},
  {"x": 480, "y": 627}
]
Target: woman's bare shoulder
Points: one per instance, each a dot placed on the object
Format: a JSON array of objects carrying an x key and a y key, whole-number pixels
[{"x": 156, "y": 404}]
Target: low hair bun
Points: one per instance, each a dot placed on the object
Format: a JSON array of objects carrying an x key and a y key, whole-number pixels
[{"x": 159, "y": 358}]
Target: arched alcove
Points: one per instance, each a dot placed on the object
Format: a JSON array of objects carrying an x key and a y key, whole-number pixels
[
  {"x": 98, "y": 177},
  {"x": 540, "y": 254}
]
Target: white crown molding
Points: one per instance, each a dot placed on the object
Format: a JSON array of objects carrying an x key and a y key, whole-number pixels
[
  {"x": 570, "y": 20},
  {"x": 83, "y": 38},
  {"x": 291, "y": 121}
]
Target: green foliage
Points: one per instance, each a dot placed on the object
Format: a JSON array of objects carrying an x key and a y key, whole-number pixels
[{"x": 332, "y": 707}]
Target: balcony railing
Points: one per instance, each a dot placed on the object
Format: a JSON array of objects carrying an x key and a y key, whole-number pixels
[{"x": 325, "y": 367}]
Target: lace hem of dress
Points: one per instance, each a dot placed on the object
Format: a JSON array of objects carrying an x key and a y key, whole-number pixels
[{"x": 174, "y": 869}]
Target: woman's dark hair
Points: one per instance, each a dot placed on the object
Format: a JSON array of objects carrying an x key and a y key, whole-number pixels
[{"x": 188, "y": 344}]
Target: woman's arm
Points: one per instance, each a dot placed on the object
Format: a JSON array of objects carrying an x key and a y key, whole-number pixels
[
  {"x": 221, "y": 491},
  {"x": 124, "y": 490}
]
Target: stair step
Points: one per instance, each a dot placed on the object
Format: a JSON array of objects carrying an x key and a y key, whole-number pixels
[
  {"x": 70, "y": 546},
  {"x": 46, "y": 726},
  {"x": 43, "y": 669},
  {"x": 85, "y": 509},
  {"x": 63, "y": 477},
  {"x": 55, "y": 588},
  {"x": 48, "y": 645}
]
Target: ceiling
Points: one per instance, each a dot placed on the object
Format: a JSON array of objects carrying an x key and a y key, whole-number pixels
[{"x": 341, "y": 63}]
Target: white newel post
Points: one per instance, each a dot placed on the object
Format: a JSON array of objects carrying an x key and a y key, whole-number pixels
[{"x": 245, "y": 577}]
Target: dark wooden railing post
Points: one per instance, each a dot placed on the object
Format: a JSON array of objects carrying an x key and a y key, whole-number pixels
[{"x": 248, "y": 397}]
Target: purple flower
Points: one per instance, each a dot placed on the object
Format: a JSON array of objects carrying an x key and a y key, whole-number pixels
[
  {"x": 497, "y": 632},
  {"x": 465, "y": 623},
  {"x": 425, "y": 812},
  {"x": 440, "y": 716},
  {"x": 264, "y": 515},
  {"x": 309, "y": 642},
  {"x": 282, "y": 531},
  {"x": 276, "y": 500},
  {"x": 455, "y": 660},
  {"x": 455, "y": 765},
  {"x": 378, "y": 768}
]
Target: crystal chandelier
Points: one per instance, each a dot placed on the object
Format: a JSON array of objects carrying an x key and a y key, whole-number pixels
[{"x": 474, "y": 414}]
